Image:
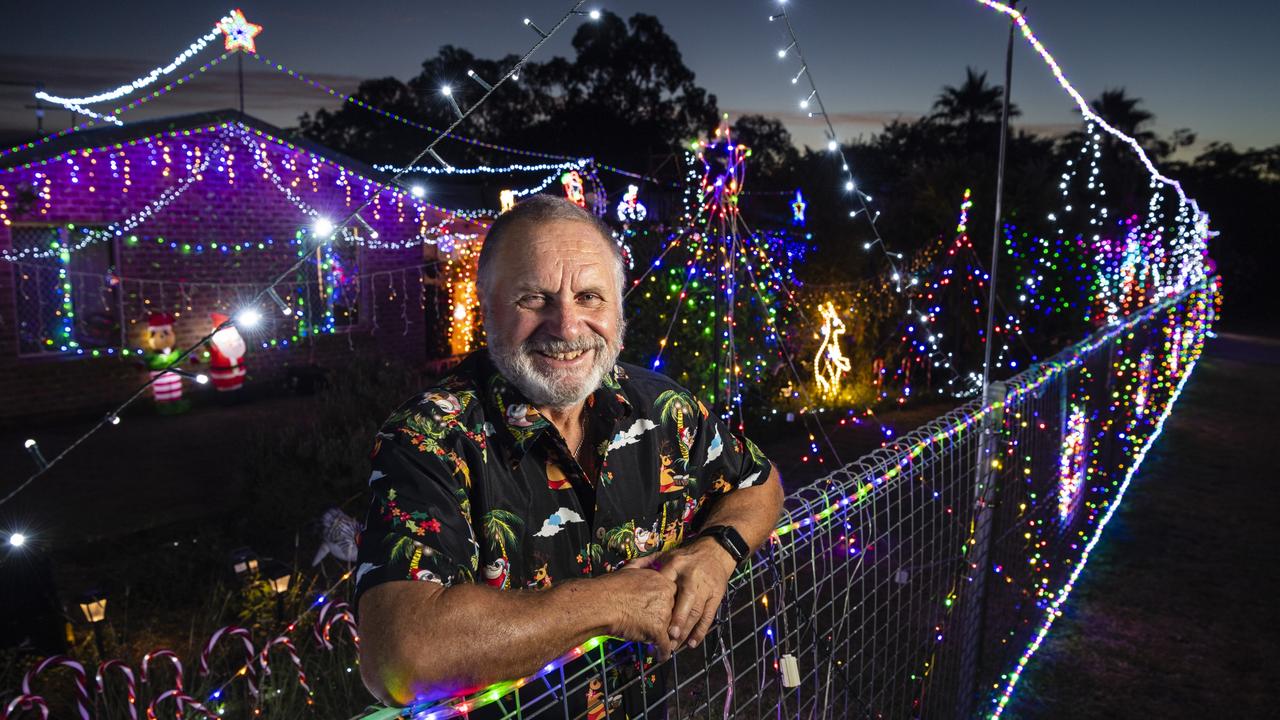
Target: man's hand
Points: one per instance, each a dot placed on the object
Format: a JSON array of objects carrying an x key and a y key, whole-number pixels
[
  {"x": 642, "y": 602},
  {"x": 700, "y": 572}
]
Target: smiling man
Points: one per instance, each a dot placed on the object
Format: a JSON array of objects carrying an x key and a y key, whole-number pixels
[{"x": 543, "y": 494}]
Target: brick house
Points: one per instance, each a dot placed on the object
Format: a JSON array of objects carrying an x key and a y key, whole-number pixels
[{"x": 193, "y": 215}]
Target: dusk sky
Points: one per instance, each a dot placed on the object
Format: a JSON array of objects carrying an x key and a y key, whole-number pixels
[{"x": 1209, "y": 67}]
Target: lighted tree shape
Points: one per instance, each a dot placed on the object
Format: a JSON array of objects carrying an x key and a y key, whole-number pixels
[{"x": 718, "y": 297}]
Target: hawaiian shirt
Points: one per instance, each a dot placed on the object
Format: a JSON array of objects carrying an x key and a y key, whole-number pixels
[{"x": 470, "y": 483}]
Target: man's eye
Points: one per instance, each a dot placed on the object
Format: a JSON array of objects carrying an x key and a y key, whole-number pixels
[
  {"x": 590, "y": 299},
  {"x": 532, "y": 301}
]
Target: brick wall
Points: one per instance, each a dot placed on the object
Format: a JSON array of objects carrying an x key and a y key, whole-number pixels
[{"x": 173, "y": 263}]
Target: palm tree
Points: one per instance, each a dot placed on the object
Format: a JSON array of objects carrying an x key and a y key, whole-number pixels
[
  {"x": 500, "y": 530},
  {"x": 674, "y": 406},
  {"x": 1122, "y": 113},
  {"x": 972, "y": 103}
]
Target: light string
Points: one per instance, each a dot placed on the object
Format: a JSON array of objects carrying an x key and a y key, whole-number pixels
[
  {"x": 1053, "y": 610},
  {"x": 33, "y": 144},
  {"x": 338, "y": 228},
  {"x": 138, "y": 84},
  {"x": 834, "y": 145},
  {"x": 1201, "y": 217}
]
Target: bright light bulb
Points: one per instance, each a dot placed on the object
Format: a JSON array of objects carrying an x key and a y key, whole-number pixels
[
  {"x": 804, "y": 104},
  {"x": 446, "y": 91},
  {"x": 782, "y": 53},
  {"x": 248, "y": 318},
  {"x": 202, "y": 379},
  {"x": 418, "y": 191},
  {"x": 594, "y": 14},
  {"x": 17, "y": 539},
  {"x": 832, "y": 146},
  {"x": 849, "y": 186},
  {"x": 323, "y": 228},
  {"x": 30, "y": 443}
]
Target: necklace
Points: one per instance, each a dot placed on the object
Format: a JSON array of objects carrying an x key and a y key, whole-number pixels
[{"x": 582, "y": 426}]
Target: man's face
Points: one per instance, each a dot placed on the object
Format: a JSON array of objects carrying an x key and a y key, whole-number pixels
[{"x": 553, "y": 313}]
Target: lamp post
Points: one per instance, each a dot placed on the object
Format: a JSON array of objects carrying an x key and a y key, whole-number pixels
[
  {"x": 94, "y": 606},
  {"x": 244, "y": 562},
  {"x": 279, "y": 576}
]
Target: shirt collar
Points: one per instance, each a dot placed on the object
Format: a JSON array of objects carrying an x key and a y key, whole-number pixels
[{"x": 522, "y": 425}]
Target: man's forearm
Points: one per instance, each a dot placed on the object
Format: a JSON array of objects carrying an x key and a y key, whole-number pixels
[
  {"x": 465, "y": 637},
  {"x": 752, "y": 511}
]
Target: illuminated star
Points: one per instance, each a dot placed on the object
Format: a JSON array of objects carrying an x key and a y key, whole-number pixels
[
  {"x": 797, "y": 209},
  {"x": 239, "y": 32}
]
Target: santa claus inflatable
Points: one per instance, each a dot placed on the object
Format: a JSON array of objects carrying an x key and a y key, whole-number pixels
[{"x": 226, "y": 355}]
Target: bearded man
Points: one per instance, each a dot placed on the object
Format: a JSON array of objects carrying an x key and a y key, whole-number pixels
[{"x": 542, "y": 494}]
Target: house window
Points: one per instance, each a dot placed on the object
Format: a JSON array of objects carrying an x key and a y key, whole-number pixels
[
  {"x": 68, "y": 300},
  {"x": 330, "y": 290}
]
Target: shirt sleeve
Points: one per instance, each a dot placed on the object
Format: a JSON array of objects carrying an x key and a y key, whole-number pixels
[
  {"x": 419, "y": 521},
  {"x": 724, "y": 460}
]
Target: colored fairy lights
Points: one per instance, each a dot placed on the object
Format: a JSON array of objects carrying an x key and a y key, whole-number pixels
[{"x": 1071, "y": 463}]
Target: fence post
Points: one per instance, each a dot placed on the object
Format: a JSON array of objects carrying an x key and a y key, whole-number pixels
[{"x": 984, "y": 492}]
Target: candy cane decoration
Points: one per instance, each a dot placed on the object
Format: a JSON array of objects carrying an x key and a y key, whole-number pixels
[
  {"x": 82, "y": 681},
  {"x": 182, "y": 701},
  {"x": 130, "y": 685},
  {"x": 287, "y": 644},
  {"x": 26, "y": 702},
  {"x": 322, "y": 616},
  {"x": 347, "y": 619},
  {"x": 249, "y": 671},
  {"x": 172, "y": 657}
]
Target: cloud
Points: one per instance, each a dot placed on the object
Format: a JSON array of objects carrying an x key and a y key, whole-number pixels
[
  {"x": 557, "y": 521},
  {"x": 632, "y": 434}
]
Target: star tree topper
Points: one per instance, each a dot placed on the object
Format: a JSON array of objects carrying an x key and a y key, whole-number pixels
[{"x": 239, "y": 32}]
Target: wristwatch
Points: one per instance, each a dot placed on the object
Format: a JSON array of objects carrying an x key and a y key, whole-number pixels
[{"x": 729, "y": 539}]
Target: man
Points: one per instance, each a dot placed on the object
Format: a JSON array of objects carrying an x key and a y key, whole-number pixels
[{"x": 541, "y": 495}]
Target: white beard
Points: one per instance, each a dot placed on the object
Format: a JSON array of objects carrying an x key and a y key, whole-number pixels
[
  {"x": 557, "y": 388},
  {"x": 229, "y": 343}
]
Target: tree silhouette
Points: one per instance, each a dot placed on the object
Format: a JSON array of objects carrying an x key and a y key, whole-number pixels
[{"x": 973, "y": 103}]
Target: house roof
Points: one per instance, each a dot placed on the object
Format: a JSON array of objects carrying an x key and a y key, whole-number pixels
[{"x": 109, "y": 135}]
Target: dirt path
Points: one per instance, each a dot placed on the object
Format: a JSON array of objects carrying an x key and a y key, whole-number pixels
[{"x": 1175, "y": 615}]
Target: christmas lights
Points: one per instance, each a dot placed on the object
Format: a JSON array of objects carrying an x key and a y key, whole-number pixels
[
  {"x": 238, "y": 32},
  {"x": 191, "y": 51},
  {"x": 815, "y": 97},
  {"x": 630, "y": 209},
  {"x": 830, "y": 363}
]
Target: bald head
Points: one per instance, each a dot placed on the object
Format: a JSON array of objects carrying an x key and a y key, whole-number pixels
[{"x": 512, "y": 229}]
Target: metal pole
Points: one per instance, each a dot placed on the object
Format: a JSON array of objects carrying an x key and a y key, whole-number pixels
[
  {"x": 240, "y": 77},
  {"x": 995, "y": 230},
  {"x": 972, "y": 618}
]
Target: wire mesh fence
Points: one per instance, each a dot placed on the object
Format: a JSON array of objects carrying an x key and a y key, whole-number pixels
[{"x": 916, "y": 581}]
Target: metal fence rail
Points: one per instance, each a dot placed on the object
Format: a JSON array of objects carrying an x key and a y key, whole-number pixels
[{"x": 917, "y": 580}]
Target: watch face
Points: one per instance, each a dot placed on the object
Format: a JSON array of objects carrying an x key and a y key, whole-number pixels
[{"x": 730, "y": 540}]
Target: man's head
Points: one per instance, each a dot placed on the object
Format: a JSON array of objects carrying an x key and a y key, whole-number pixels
[{"x": 550, "y": 279}]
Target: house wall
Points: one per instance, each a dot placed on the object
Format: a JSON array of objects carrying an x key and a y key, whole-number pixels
[{"x": 233, "y": 201}]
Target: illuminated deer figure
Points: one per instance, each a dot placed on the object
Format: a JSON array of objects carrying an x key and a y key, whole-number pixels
[{"x": 830, "y": 363}]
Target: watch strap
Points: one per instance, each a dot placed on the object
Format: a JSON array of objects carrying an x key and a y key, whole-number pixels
[{"x": 729, "y": 539}]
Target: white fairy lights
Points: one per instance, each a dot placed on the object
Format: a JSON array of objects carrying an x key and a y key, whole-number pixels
[{"x": 833, "y": 145}]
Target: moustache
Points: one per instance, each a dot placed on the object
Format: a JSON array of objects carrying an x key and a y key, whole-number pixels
[{"x": 553, "y": 346}]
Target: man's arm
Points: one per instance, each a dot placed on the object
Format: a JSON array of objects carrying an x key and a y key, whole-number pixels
[
  {"x": 421, "y": 641},
  {"x": 701, "y": 569}
]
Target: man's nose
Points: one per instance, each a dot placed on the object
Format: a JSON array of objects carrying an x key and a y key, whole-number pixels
[{"x": 564, "y": 320}]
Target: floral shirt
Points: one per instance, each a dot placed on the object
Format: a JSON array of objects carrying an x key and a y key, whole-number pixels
[{"x": 471, "y": 484}]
